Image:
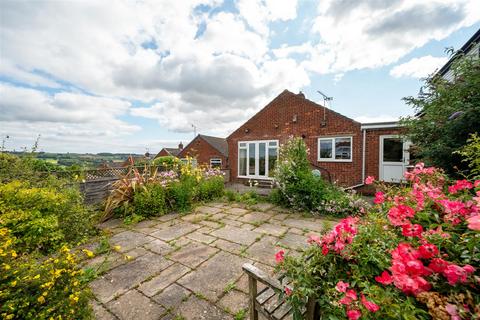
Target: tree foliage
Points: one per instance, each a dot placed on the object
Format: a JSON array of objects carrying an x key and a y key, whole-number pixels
[{"x": 447, "y": 113}]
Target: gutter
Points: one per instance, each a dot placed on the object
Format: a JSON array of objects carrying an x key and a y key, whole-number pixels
[{"x": 364, "y": 140}]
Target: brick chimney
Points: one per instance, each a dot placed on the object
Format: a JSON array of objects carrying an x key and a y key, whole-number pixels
[{"x": 180, "y": 146}]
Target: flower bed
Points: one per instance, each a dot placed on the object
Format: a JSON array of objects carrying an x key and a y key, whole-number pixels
[{"x": 415, "y": 255}]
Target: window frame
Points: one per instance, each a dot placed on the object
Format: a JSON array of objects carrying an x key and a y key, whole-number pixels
[
  {"x": 332, "y": 139},
  {"x": 257, "y": 157},
  {"x": 220, "y": 162}
]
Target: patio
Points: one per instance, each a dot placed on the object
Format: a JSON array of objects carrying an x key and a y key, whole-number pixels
[{"x": 190, "y": 267}]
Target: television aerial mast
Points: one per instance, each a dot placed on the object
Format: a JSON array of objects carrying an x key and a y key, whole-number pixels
[{"x": 325, "y": 100}]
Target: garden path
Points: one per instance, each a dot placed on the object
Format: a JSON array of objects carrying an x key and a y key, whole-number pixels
[{"x": 190, "y": 266}]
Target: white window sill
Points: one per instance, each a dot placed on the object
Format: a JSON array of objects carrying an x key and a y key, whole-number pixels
[
  {"x": 334, "y": 160},
  {"x": 255, "y": 177}
]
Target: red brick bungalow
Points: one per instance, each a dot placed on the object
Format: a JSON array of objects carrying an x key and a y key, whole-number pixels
[
  {"x": 349, "y": 150},
  {"x": 166, "y": 152},
  {"x": 208, "y": 150}
]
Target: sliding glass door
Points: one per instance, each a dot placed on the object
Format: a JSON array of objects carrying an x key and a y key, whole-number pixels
[{"x": 256, "y": 159}]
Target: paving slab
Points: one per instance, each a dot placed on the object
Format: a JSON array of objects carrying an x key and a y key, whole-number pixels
[
  {"x": 264, "y": 250},
  {"x": 127, "y": 276},
  {"x": 271, "y": 229},
  {"x": 167, "y": 217},
  {"x": 163, "y": 280},
  {"x": 262, "y": 206},
  {"x": 212, "y": 224},
  {"x": 255, "y": 217},
  {"x": 211, "y": 278},
  {"x": 172, "y": 296},
  {"x": 234, "y": 301},
  {"x": 198, "y": 309},
  {"x": 236, "y": 211},
  {"x": 303, "y": 223},
  {"x": 99, "y": 311},
  {"x": 195, "y": 217},
  {"x": 175, "y": 231},
  {"x": 134, "y": 305},
  {"x": 128, "y": 240},
  {"x": 208, "y": 209},
  {"x": 159, "y": 247},
  {"x": 193, "y": 254},
  {"x": 237, "y": 235},
  {"x": 293, "y": 241},
  {"x": 201, "y": 237},
  {"x": 230, "y": 222},
  {"x": 229, "y": 246}
]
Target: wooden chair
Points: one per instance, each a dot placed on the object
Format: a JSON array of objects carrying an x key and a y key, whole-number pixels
[{"x": 267, "y": 301}]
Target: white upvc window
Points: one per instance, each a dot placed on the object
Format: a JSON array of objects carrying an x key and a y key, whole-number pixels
[
  {"x": 257, "y": 159},
  {"x": 335, "y": 149},
  {"x": 215, "y": 163}
]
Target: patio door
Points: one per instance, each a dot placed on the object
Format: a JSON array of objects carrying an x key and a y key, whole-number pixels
[
  {"x": 256, "y": 159},
  {"x": 394, "y": 158}
]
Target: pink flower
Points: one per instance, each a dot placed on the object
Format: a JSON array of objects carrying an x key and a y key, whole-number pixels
[
  {"x": 412, "y": 230},
  {"x": 476, "y": 183},
  {"x": 342, "y": 286},
  {"x": 324, "y": 250},
  {"x": 379, "y": 197},
  {"x": 399, "y": 215},
  {"x": 474, "y": 222},
  {"x": 428, "y": 250},
  {"x": 369, "y": 180},
  {"x": 354, "y": 314},
  {"x": 314, "y": 239},
  {"x": 371, "y": 306},
  {"x": 345, "y": 300},
  {"x": 438, "y": 265},
  {"x": 351, "y": 294},
  {"x": 385, "y": 278},
  {"x": 280, "y": 256},
  {"x": 455, "y": 274},
  {"x": 460, "y": 185},
  {"x": 468, "y": 268},
  {"x": 288, "y": 291}
]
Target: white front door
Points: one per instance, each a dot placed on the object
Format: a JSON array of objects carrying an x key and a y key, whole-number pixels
[{"x": 394, "y": 158}]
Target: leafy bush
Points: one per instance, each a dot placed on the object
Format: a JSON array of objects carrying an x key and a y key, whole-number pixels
[
  {"x": 150, "y": 201},
  {"x": 231, "y": 195},
  {"x": 181, "y": 194},
  {"x": 450, "y": 112},
  {"x": 415, "y": 255},
  {"x": 43, "y": 218},
  {"x": 167, "y": 162},
  {"x": 31, "y": 289},
  {"x": 304, "y": 191},
  {"x": 471, "y": 154},
  {"x": 210, "y": 188}
]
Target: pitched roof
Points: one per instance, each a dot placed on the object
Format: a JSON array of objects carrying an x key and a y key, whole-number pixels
[
  {"x": 463, "y": 50},
  {"x": 173, "y": 151},
  {"x": 218, "y": 143}
]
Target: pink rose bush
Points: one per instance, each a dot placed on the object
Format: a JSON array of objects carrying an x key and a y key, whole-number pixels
[{"x": 414, "y": 255}]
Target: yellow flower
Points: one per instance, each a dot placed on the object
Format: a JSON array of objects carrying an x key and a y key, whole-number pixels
[
  {"x": 128, "y": 258},
  {"x": 10, "y": 316},
  {"x": 89, "y": 253},
  {"x": 13, "y": 283},
  {"x": 6, "y": 267},
  {"x": 117, "y": 248},
  {"x": 37, "y": 277},
  {"x": 41, "y": 299},
  {"x": 14, "y": 254}
]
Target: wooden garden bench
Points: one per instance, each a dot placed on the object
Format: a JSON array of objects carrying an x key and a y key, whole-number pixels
[{"x": 268, "y": 301}]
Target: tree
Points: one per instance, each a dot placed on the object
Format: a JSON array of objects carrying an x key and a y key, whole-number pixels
[{"x": 446, "y": 114}]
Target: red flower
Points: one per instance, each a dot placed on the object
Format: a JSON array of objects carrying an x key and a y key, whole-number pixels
[
  {"x": 371, "y": 306},
  {"x": 399, "y": 215},
  {"x": 385, "y": 278},
  {"x": 438, "y": 265},
  {"x": 288, "y": 291},
  {"x": 342, "y": 286},
  {"x": 428, "y": 250},
  {"x": 345, "y": 300},
  {"x": 412, "y": 230},
  {"x": 455, "y": 274},
  {"x": 460, "y": 185},
  {"x": 280, "y": 256},
  {"x": 354, "y": 314},
  {"x": 369, "y": 180},
  {"x": 351, "y": 294},
  {"x": 379, "y": 197},
  {"x": 324, "y": 250}
]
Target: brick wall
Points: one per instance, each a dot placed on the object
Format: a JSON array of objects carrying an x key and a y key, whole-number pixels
[
  {"x": 163, "y": 153},
  {"x": 277, "y": 121},
  {"x": 203, "y": 151}
]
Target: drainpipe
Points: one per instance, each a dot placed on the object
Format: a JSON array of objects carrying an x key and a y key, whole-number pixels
[{"x": 364, "y": 139}]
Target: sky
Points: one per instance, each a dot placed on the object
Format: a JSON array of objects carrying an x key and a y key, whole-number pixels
[{"x": 131, "y": 76}]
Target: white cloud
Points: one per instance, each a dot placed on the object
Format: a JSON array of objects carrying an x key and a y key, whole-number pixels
[
  {"x": 418, "y": 67},
  {"x": 349, "y": 35}
]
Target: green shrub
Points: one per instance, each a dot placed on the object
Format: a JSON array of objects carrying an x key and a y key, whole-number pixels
[
  {"x": 44, "y": 218},
  {"x": 181, "y": 194},
  {"x": 150, "y": 201},
  {"x": 471, "y": 154},
  {"x": 231, "y": 195},
  {"x": 54, "y": 288},
  {"x": 300, "y": 189},
  {"x": 211, "y": 188},
  {"x": 167, "y": 162}
]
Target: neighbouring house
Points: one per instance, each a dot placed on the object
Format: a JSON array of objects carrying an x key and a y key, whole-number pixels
[
  {"x": 165, "y": 152},
  {"x": 207, "y": 150},
  {"x": 349, "y": 150},
  {"x": 471, "y": 48}
]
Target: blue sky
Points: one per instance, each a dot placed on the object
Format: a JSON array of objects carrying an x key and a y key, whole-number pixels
[{"x": 123, "y": 76}]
